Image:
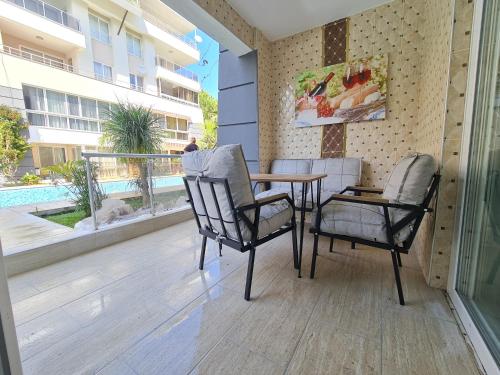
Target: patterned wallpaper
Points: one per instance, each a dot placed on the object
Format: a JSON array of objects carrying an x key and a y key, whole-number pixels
[
  {"x": 455, "y": 107},
  {"x": 290, "y": 56},
  {"x": 266, "y": 129},
  {"x": 425, "y": 103}
]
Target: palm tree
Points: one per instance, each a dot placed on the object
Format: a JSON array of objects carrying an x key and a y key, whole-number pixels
[{"x": 134, "y": 129}]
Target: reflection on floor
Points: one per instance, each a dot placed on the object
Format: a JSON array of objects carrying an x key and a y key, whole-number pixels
[{"x": 142, "y": 307}]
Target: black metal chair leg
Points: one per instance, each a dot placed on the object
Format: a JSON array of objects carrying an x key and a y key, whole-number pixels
[
  {"x": 397, "y": 277},
  {"x": 248, "y": 286},
  {"x": 331, "y": 244},
  {"x": 220, "y": 249},
  {"x": 400, "y": 264},
  {"x": 353, "y": 245},
  {"x": 315, "y": 254},
  {"x": 294, "y": 244},
  {"x": 203, "y": 248}
]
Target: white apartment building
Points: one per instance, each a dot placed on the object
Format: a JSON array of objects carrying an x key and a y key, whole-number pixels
[{"x": 64, "y": 61}]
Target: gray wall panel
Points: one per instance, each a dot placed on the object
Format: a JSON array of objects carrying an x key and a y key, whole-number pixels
[
  {"x": 237, "y": 71},
  {"x": 244, "y": 134},
  {"x": 238, "y": 105},
  {"x": 238, "y": 112}
]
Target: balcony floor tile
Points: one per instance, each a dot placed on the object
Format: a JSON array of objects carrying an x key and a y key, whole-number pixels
[{"x": 143, "y": 307}]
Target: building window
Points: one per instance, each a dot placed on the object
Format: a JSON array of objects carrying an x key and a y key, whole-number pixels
[
  {"x": 133, "y": 45},
  {"x": 104, "y": 110},
  {"x": 102, "y": 72},
  {"x": 56, "y": 102},
  {"x": 136, "y": 82},
  {"x": 99, "y": 29},
  {"x": 171, "y": 123},
  {"x": 51, "y": 156},
  {"x": 64, "y": 111},
  {"x": 182, "y": 124},
  {"x": 89, "y": 108}
]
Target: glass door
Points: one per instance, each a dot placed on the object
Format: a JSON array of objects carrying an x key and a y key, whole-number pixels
[{"x": 478, "y": 273}]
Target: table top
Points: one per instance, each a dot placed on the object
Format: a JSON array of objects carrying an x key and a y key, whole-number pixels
[{"x": 279, "y": 177}]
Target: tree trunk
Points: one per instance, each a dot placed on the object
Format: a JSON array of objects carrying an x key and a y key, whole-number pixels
[{"x": 144, "y": 184}]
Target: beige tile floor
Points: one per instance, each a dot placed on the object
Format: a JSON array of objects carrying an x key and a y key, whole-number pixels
[{"x": 142, "y": 307}]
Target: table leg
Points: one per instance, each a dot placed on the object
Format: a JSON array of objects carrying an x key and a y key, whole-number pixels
[
  {"x": 295, "y": 255},
  {"x": 302, "y": 224}
]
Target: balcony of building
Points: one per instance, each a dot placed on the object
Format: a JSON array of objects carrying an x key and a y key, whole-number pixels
[
  {"x": 36, "y": 20},
  {"x": 45, "y": 70},
  {"x": 176, "y": 74}
]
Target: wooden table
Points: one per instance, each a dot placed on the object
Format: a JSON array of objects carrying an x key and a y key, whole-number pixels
[{"x": 303, "y": 179}]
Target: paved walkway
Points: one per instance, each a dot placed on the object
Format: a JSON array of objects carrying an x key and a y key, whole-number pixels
[{"x": 19, "y": 229}]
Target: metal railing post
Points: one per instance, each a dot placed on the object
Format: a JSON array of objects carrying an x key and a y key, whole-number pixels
[
  {"x": 91, "y": 191},
  {"x": 150, "y": 183}
]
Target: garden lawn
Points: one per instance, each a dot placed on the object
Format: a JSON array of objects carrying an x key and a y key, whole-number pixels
[{"x": 68, "y": 219}]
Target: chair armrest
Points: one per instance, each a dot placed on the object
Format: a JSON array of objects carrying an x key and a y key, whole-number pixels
[
  {"x": 363, "y": 189},
  {"x": 271, "y": 199},
  {"x": 359, "y": 199},
  {"x": 374, "y": 201}
]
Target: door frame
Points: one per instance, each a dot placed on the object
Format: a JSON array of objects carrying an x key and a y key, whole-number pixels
[
  {"x": 11, "y": 347},
  {"x": 482, "y": 351}
]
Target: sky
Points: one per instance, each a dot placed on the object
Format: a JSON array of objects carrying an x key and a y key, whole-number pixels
[{"x": 208, "y": 67}]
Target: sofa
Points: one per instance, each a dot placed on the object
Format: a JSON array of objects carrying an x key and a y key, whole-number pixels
[{"x": 341, "y": 172}]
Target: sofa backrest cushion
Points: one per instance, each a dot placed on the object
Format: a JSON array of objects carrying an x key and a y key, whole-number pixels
[
  {"x": 290, "y": 166},
  {"x": 225, "y": 162},
  {"x": 410, "y": 179},
  {"x": 341, "y": 172}
]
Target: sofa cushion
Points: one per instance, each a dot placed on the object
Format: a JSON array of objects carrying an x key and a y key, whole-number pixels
[
  {"x": 341, "y": 172},
  {"x": 290, "y": 166}
]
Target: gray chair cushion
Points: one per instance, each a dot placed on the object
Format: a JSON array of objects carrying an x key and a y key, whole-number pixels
[
  {"x": 353, "y": 219},
  {"x": 292, "y": 166},
  {"x": 408, "y": 183},
  {"x": 273, "y": 216},
  {"x": 341, "y": 172},
  {"x": 410, "y": 179},
  {"x": 223, "y": 162},
  {"x": 229, "y": 162}
]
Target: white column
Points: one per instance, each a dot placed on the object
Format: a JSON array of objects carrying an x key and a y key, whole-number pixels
[
  {"x": 120, "y": 55},
  {"x": 82, "y": 58}
]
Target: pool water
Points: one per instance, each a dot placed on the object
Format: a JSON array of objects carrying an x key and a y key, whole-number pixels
[{"x": 32, "y": 195}]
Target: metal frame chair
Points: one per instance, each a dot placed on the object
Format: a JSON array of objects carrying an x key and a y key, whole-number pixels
[
  {"x": 238, "y": 213},
  {"x": 415, "y": 214}
]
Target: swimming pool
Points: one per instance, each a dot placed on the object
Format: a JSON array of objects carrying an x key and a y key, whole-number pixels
[{"x": 39, "y": 194}]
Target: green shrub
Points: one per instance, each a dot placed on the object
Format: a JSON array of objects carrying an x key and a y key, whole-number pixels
[
  {"x": 63, "y": 170},
  {"x": 13, "y": 144},
  {"x": 80, "y": 188},
  {"x": 30, "y": 179}
]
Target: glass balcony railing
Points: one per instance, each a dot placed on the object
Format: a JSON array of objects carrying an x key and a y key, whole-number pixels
[
  {"x": 141, "y": 185},
  {"x": 161, "y": 24},
  {"x": 49, "y": 11},
  {"x": 175, "y": 68}
]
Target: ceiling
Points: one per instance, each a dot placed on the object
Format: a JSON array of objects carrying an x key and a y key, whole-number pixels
[{"x": 281, "y": 18}]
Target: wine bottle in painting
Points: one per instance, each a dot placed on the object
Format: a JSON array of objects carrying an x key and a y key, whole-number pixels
[{"x": 320, "y": 88}]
